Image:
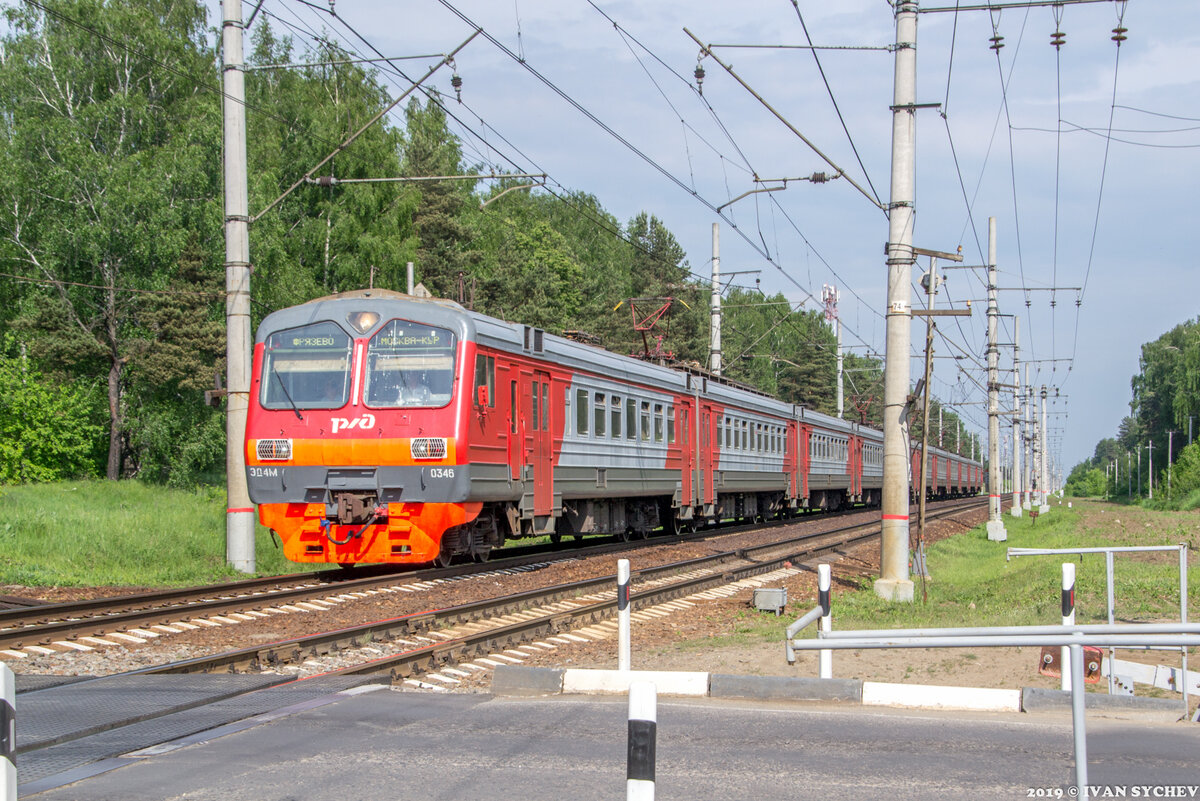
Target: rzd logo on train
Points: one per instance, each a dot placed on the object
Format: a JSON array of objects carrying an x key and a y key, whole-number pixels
[{"x": 365, "y": 422}]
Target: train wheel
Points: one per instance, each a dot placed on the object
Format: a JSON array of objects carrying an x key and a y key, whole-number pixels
[
  {"x": 556, "y": 538},
  {"x": 444, "y": 557},
  {"x": 625, "y": 534}
]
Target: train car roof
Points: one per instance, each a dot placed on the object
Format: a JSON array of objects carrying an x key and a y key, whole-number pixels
[{"x": 519, "y": 338}]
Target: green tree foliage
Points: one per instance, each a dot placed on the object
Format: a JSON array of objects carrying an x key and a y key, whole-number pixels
[
  {"x": 1086, "y": 482},
  {"x": 106, "y": 173},
  {"x": 1185, "y": 473},
  {"x": 48, "y": 430},
  {"x": 322, "y": 239}
]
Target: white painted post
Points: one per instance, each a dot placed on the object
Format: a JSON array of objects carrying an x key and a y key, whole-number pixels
[
  {"x": 1068, "y": 618},
  {"x": 643, "y": 735},
  {"x": 623, "y": 638},
  {"x": 8, "y": 734},
  {"x": 823, "y": 584}
]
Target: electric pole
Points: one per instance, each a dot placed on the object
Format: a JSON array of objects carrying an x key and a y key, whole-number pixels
[
  {"x": 714, "y": 348},
  {"x": 1170, "y": 442},
  {"x": 1043, "y": 456},
  {"x": 995, "y": 525},
  {"x": 1016, "y": 442},
  {"x": 239, "y": 511},
  {"x": 1030, "y": 444},
  {"x": 894, "y": 583},
  {"x": 1150, "y": 456},
  {"x": 830, "y": 297}
]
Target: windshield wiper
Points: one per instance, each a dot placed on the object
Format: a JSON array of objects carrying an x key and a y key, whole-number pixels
[{"x": 286, "y": 394}]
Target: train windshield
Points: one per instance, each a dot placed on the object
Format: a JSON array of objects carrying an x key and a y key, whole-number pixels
[
  {"x": 306, "y": 368},
  {"x": 410, "y": 365}
]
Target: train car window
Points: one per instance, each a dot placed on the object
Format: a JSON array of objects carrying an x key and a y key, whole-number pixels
[
  {"x": 546, "y": 406},
  {"x": 658, "y": 422},
  {"x": 615, "y": 414},
  {"x": 630, "y": 418},
  {"x": 746, "y": 434},
  {"x": 410, "y": 365},
  {"x": 306, "y": 368},
  {"x": 513, "y": 407},
  {"x": 671, "y": 424},
  {"x": 485, "y": 376},
  {"x": 600, "y": 414},
  {"x": 645, "y": 421},
  {"x": 533, "y": 417},
  {"x": 581, "y": 412}
]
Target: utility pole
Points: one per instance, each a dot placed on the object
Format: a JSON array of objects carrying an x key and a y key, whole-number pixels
[
  {"x": 939, "y": 425},
  {"x": 1139, "y": 454},
  {"x": 1016, "y": 444},
  {"x": 930, "y": 326},
  {"x": 894, "y": 583},
  {"x": 1170, "y": 440},
  {"x": 1044, "y": 489},
  {"x": 714, "y": 348},
  {"x": 830, "y": 297},
  {"x": 958, "y": 437},
  {"x": 239, "y": 511},
  {"x": 995, "y": 525},
  {"x": 1030, "y": 444},
  {"x": 1150, "y": 456}
]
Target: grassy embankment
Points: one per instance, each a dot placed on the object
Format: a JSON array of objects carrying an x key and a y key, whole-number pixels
[
  {"x": 971, "y": 584},
  {"x": 103, "y": 533}
]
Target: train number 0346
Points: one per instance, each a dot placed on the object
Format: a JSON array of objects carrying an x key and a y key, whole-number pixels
[{"x": 441, "y": 472}]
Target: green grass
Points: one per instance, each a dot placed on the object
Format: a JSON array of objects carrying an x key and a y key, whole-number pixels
[
  {"x": 973, "y": 585},
  {"x": 105, "y": 533}
]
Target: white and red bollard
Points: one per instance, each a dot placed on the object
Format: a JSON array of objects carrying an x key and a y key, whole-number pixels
[{"x": 643, "y": 736}]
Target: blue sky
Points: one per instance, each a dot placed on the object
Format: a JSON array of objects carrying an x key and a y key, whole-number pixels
[{"x": 1068, "y": 213}]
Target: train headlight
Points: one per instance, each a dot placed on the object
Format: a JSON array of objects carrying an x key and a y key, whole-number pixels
[
  {"x": 428, "y": 448},
  {"x": 274, "y": 450},
  {"x": 362, "y": 322}
]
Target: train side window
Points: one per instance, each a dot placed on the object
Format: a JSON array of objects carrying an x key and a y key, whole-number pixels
[
  {"x": 746, "y": 434},
  {"x": 513, "y": 407},
  {"x": 546, "y": 406},
  {"x": 645, "y": 421},
  {"x": 630, "y": 418},
  {"x": 671, "y": 424},
  {"x": 658, "y": 422},
  {"x": 599, "y": 409},
  {"x": 533, "y": 417},
  {"x": 615, "y": 415},
  {"x": 485, "y": 376},
  {"x": 581, "y": 412}
]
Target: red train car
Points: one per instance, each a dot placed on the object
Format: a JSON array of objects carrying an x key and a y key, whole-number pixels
[{"x": 387, "y": 428}]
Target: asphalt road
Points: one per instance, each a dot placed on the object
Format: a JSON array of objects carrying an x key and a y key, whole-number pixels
[{"x": 394, "y": 746}]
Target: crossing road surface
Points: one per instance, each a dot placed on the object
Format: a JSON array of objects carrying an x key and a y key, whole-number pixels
[{"x": 385, "y": 745}]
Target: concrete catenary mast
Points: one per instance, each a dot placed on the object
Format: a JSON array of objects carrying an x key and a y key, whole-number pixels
[
  {"x": 239, "y": 511},
  {"x": 894, "y": 582},
  {"x": 995, "y": 525}
]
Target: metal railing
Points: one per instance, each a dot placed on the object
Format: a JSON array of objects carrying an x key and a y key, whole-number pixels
[
  {"x": 1108, "y": 552},
  {"x": 1174, "y": 635}
]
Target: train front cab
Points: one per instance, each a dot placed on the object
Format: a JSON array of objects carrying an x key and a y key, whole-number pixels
[{"x": 356, "y": 420}]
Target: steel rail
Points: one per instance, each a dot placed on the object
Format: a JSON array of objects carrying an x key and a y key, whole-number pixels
[
  {"x": 67, "y": 621},
  {"x": 426, "y": 658}
]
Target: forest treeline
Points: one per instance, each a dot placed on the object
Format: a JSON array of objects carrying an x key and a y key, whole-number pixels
[
  {"x": 1152, "y": 442},
  {"x": 112, "y": 249}
]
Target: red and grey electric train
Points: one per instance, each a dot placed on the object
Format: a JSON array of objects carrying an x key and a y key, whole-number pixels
[{"x": 388, "y": 428}]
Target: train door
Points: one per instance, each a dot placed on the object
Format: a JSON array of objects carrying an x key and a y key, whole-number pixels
[
  {"x": 790, "y": 461},
  {"x": 856, "y": 467},
  {"x": 539, "y": 447},
  {"x": 709, "y": 454},
  {"x": 802, "y": 450},
  {"x": 516, "y": 425},
  {"x": 684, "y": 432}
]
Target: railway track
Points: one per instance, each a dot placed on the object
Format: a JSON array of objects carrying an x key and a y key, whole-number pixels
[
  {"x": 420, "y": 643},
  {"x": 82, "y": 625}
]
